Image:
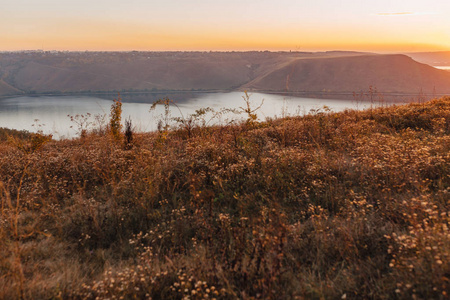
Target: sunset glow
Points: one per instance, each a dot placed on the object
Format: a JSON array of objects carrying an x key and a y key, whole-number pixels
[{"x": 381, "y": 26}]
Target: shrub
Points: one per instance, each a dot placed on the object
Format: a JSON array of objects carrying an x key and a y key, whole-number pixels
[{"x": 115, "y": 118}]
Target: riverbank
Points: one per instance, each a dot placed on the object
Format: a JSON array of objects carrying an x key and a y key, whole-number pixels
[{"x": 178, "y": 95}]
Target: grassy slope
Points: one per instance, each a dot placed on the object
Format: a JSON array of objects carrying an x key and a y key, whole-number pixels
[{"x": 321, "y": 206}]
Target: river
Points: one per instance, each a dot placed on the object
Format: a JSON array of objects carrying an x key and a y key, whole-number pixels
[{"x": 51, "y": 114}]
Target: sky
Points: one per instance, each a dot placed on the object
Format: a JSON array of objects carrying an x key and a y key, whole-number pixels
[{"x": 225, "y": 25}]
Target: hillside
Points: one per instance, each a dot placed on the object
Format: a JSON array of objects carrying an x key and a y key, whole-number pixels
[
  {"x": 351, "y": 205},
  {"x": 95, "y": 71},
  {"x": 6, "y": 89},
  {"x": 388, "y": 73},
  {"x": 332, "y": 72}
]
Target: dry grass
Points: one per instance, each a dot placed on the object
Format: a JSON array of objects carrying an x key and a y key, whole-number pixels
[{"x": 331, "y": 205}]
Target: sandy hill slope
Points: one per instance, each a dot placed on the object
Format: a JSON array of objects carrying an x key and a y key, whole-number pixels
[{"x": 388, "y": 73}]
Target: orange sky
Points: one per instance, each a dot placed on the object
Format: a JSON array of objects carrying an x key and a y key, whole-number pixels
[{"x": 381, "y": 26}]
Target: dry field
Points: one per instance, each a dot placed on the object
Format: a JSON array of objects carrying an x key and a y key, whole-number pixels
[{"x": 351, "y": 205}]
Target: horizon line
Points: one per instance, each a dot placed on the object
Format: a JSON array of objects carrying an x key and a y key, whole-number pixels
[{"x": 227, "y": 51}]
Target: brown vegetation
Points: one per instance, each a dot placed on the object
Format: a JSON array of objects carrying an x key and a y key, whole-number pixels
[
  {"x": 330, "y": 205},
  {"x": 6, "y": 133}
]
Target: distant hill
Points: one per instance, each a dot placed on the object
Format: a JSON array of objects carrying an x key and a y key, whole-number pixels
[
  {"x": 331, "y": 72},
  {"x": 388, "y": 73},
  {"x": 120, "y": 71}
]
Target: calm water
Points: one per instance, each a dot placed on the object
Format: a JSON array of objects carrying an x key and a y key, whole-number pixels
[{"x": 50, "y": 113}]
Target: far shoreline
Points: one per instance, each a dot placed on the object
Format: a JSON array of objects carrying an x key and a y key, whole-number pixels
[{"x": 180, "y": 95}]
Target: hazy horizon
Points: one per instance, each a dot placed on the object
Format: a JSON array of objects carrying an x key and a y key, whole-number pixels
[
  {"x": 224, "y": 51},
  {"x": 245, "y": 25}
]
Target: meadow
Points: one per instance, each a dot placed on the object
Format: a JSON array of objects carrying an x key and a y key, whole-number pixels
[{"x": 349, "y": 205}]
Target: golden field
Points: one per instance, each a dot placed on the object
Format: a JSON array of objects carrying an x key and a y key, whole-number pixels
[{"x": 350, "y": 205}]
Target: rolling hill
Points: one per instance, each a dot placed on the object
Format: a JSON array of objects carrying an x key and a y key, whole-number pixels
[
  {"x": 330, "y": 72},
  {"x": 389, "y": 73}
]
